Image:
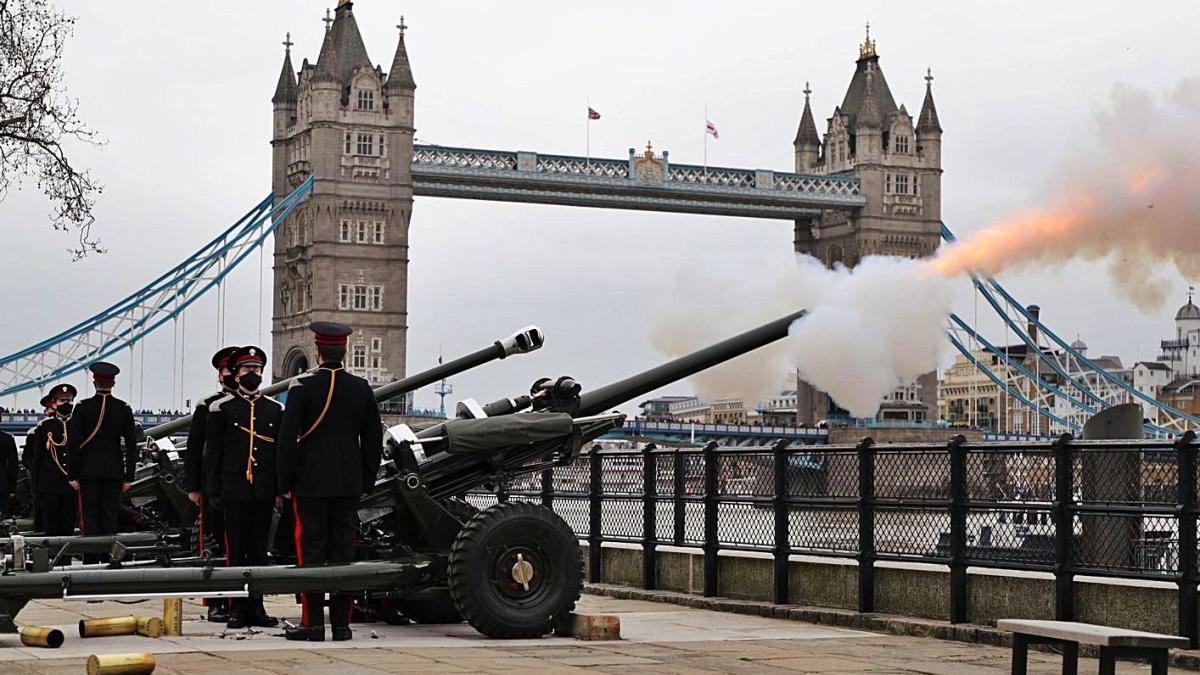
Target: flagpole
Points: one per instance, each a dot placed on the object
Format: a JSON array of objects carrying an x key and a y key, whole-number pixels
[
  {"x": 588, "y": 161},
  {"x": 706, "y": 140}
]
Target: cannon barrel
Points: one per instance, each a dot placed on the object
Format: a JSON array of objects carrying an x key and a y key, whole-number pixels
[
  {"x": 198, "y": 581},
  {"x": 608, "y": 396},
  {"x": 526, "y": 340}
]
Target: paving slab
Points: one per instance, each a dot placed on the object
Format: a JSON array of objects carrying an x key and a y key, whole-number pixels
[{"x": 658, "y": 638}]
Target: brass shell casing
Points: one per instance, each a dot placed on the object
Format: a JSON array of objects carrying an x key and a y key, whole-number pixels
[
  {"x": 150, "y": 626},
  {"x": 173, "y": 616},
  {"x": 120, "y": 664},
  {"x": 118, "y": 625},
  {"x": 40, "y": 636}
]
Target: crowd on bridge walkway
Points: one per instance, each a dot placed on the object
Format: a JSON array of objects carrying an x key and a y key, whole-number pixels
[{"x": 249, "y": 460}]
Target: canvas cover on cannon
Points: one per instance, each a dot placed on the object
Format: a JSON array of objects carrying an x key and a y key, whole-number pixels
[{"x": 491, "y": 434}]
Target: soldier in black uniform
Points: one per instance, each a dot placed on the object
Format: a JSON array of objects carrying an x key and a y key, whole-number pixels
[
  {"x": 9, "y": 468},
  {"x": 211, "y": 521},
  {"x": 240, "y": 471},
  {"x": 98, "y": 470},
  {"x": 56, "y": 499},
  {"x": 31, "y": 457},
  {"x": 329, "y": 452}
]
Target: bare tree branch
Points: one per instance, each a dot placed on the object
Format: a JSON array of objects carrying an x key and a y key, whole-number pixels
[{"x": 37, "y": 116}]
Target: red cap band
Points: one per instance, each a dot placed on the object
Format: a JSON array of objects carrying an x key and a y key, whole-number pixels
[
  {"x": 105, "y": 380},
  {"x": 332, "y": 340},
  {"x": 250, "y": 359}
]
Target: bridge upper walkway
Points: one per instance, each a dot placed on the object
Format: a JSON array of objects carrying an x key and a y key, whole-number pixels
[{"x": 642, "y": 182}]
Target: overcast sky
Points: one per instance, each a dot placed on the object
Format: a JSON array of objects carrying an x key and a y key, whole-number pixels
[{"x": 181, "y": 93}]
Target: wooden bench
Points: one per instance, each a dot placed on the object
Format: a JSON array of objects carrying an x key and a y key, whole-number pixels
[{"x": 1114, "y": 643}]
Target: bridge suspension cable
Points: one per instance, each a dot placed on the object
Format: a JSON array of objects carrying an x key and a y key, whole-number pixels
[
  {"x": 1068, "y": 363},
  {"x": 164, "y": 299}
]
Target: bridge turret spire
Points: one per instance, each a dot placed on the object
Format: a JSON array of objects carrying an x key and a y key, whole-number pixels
[
  {"x": 928, "y": 120},
  {"x": 808, "y": 141},
  {"x": 400, "y": 75},
  {"x": 285, "y": 90}
]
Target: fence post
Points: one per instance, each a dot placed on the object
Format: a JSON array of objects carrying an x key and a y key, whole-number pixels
[
  {"x": 866, "y": 525},
  {"x": 710, "y": 519},
  {"x": 1064, "y": 530},
  {"x": 649, "y": 517},
  {"x": 548, "y": 488},
  {"x": 782, "y": 542},
  {"x": 595, "y": 524},
  {"x": 1188, "y": 574},
  {"x": 679, "y": 489},
  {"x": 958, "y": 529}
]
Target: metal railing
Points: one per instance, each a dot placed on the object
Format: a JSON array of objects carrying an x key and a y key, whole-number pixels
[{"x": 1066, "y": 507}]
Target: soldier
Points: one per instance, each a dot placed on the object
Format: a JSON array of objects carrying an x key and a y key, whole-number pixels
[
  {"x": 211, "y": 522},
  {"x": 329, "y": 452},
  {"x": 240, "y": 472},
  {"x": 56, "y": 500},
  {"x": 30, "y": 457},
  {"x": 98, "y": 471},
  {"x": 8, "y": 468}
]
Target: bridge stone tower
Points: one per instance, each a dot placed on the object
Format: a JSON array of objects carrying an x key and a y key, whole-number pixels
[
  {"x": 343, "y": 254},
  {"x": 899, "y": 165}
]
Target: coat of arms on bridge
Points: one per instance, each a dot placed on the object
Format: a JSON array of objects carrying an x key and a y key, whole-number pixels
[{"x": 648, "y": 168}]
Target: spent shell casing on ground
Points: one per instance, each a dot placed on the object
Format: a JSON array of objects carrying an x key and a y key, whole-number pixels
[
  {"x": 150, "y": 626},
  {"x": 117, "y": 625},
  {"x": 41, "y": 636},
  {"x": 120, "y": 664},
  {"x": 172, "y": 617}
]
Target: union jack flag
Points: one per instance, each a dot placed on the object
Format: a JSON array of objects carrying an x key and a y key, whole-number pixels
[{"x": 592, "y": 114}]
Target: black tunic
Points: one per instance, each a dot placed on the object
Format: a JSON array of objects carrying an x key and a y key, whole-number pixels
[
  {"x": 9, "y": 468},
  {"x": 340, "y": 456},
  {"x": 99, "y": 456},
  {"x": 193, "y": 469},
  {"x": 230, "y": 420},
  {"x": 46, "y": 453}
]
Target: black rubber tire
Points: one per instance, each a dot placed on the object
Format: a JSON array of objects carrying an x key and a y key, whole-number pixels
[
  {"x": 431, "y": 606},
  {"x": 488, "y": 598}
]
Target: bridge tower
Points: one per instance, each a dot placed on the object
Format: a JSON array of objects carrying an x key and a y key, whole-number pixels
[
  {"x": 343, "y": 255},
  {"x": 899, "y": 164}
]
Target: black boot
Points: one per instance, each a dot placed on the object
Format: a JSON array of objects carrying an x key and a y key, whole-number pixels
[
  {"x": 217, "y": 611},
  {"x": 308, "y": 633},
  {"x": 258, "y": 615},
  {"x": 342, "y": 633}
]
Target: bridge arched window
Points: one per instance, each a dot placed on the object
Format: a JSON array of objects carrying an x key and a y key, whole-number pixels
[
  {"x": 366, "y": 99},
  {"x": 902, "y": 144},
  {"x": 836, "y": 255}
]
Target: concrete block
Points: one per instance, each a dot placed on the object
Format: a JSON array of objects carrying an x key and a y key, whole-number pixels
[
  {"x": 590, "y": 626},
  {"x": 992, "y": 597},
  {"x": 825, "y": 585},
  {"x": 1137, "y": 607},
  {"x": 621, "y": 566}
]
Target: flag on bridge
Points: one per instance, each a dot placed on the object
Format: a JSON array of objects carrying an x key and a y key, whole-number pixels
[
  {"x": 592, "y": 114},
  {"x": 711, "y": 129}
]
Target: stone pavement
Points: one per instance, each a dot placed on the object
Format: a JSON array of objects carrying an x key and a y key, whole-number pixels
[{"x": 657, "y": 639}]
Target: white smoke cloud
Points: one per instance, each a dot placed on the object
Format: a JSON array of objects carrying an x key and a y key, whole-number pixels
[{"x": 867, "y": 329}]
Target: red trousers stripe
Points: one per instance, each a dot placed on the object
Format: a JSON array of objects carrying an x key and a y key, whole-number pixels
[{"x": 298, "y": 531}]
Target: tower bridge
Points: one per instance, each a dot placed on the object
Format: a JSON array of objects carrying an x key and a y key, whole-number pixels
[{"x": 346, "y": 167}]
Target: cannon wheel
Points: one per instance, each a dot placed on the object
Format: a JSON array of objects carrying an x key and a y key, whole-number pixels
[
  {"x": 431, "y": 606},
  {"x": 514, "y": 570}
]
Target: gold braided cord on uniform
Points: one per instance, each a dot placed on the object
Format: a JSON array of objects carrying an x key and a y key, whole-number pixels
[
  {"x": 250, "y": 455},
  {"x": 328, "y": 400},
  {"x": 256, "y": 434},
  {"x": 53, "y": 447},
  {"x": 99, "y": 421}
]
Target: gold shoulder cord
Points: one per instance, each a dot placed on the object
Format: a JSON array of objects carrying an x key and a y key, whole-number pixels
[
  {"x": 99, "y": 421},
  {"x": 328, "y": 400}
]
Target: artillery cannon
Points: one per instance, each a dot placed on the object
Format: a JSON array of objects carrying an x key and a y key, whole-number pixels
[{"x": 511, "y": 570}]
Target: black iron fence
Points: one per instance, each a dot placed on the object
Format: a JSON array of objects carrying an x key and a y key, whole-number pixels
[{"x": 1068, "y": 507}]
